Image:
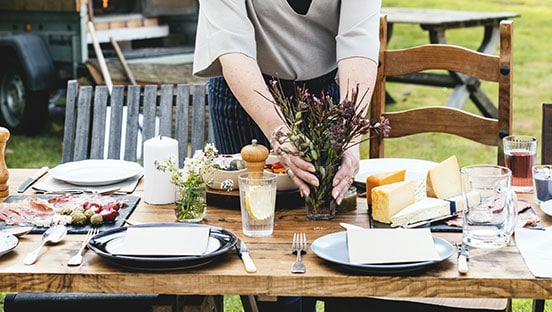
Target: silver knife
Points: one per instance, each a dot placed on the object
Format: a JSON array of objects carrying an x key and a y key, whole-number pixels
[
  {"x": 37, "y": 175},
  {"x": 243, "y": 252},
  {"x": 426, "y": 222}
]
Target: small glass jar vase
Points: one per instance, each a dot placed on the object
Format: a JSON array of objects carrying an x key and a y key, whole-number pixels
[
  {"x": 191, "y": 203},
  {"x": 320, "y": 204},
  {"x": 349, "y": 201}
]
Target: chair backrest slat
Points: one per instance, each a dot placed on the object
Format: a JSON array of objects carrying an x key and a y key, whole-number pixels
[
  {"x": 115, "y": 123},
  {"x": 101, "y": 96},
  {"x": 132, "y": 123},
  {"x": 131, "y": 115},
  {"x": 166, "y": 110},
  {"x": 149, "y": 111},
  {"x": 198, "y": 117},
  {"x": 83, "y": 123},
  {"x": 70, "y": 121},
  {"x": 182, "y": 114}
]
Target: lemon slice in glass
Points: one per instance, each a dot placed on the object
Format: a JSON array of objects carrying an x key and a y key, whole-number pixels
[{"x": 258, "y": 202}]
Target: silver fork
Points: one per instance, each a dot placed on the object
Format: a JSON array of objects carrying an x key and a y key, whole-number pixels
[
  {"x": 77, "y": 258},
  {"x": 299, "y": 247}
]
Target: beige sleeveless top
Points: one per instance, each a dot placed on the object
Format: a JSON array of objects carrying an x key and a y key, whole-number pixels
[{"x": 286, "y": 44}]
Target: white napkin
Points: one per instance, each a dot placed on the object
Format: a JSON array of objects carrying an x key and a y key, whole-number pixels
[
  {"x": 165, "y": 241},
  {"x": 377, "y": 246},
  {"x": 50, "y": 184},
  {"x": 534, "y": 246}
]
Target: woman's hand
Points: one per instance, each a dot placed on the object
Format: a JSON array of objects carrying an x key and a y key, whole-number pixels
[
  {"x": 346, "y": 174},
  {"x": 299, "y": 170},
  {"x": 302, "y": 172}
]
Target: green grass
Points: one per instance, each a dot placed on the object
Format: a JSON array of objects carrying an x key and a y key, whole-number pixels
[
  {"x": 532, "y": 82},
  {"x": 532, "y": 65}
]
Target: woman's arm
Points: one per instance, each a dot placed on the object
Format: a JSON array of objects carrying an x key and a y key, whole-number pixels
[
  {"x": 353, "y": 71},
  {"x": 246, "y": 82}
]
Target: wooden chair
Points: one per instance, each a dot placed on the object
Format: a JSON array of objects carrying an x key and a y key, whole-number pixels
[
  {"x": 494, "y": 68},
  {"x": 546, "y": 140},
  {"x": 177, "y": 111},
  {"x": 91, "y": 132},
  {"x": 444, "y": 119}
]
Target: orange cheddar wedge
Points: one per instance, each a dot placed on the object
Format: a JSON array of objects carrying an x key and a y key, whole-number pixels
[{"x": 382, "y": 179}]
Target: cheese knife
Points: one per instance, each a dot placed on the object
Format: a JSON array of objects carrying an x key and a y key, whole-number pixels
[
  {"x": 243, "y": 252},
  {"x": 37, "y": 175},
  {"x": 426, "y": 222},
  {"x": 463, "y": 256}
]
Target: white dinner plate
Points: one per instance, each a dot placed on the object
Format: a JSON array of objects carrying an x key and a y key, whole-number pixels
[
  {"x": 92, "y": 172},
  {"x": 546, "y": 207},
  {"x": 109, "y": 243},
  {"x": 416, "y": 169},
  {"x": 7, "y": 243},
  {"x": 16, "y": 230},
  {"x": 333, "y": 248}
]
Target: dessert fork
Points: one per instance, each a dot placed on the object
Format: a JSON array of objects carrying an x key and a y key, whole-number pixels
[
  {"x": 299, "y": 247},
  {"x": 77, "y": 259}
]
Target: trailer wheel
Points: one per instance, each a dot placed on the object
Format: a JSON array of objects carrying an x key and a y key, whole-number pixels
[{"x": 21, "y": 110}]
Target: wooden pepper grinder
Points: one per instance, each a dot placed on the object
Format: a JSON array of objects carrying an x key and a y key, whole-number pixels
[
  {"x": 4, "y": 174},
  {"x": 255, "y": 156}
]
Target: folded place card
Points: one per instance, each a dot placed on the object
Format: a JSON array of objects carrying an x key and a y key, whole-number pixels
[
  {"x": 534, "y": 246},
  {"x": 165, "y": 241},
  {"x": 380, "y": 246}
]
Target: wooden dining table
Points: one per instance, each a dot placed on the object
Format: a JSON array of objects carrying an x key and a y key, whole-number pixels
[{"x": 495, "y": 273}]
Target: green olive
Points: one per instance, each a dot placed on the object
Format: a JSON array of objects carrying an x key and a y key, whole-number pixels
[
  {"x": 96, "y": 219},
  {"x": 89, "y": 213},
  {"x": 78, "y": 218}
]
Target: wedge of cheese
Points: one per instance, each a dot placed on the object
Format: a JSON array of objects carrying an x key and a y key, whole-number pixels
[
  {"x": 425, "y": 209},
  {"x": 389, "y": 199},
  {"x": 431, "y": 208},
  {"x": 443, "y": 180},
  {"x": 457, "y": 202},
  {"x": 382, "y": 179}
]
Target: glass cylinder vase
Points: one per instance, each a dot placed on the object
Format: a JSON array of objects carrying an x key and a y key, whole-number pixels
[
  {"x": 320, "y": 204},
  {"x": 191, "y": 203}
]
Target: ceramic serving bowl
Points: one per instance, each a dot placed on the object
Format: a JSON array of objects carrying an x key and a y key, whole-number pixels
[
  {"x": 222, "y": 175},
  {"x": 229, "y": 167},
  {"x": 283, "y": 181}
]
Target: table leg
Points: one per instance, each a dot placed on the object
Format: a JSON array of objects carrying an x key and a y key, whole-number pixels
[
  {"x": 538, "y": 305},
  {"x": 199, "y": 303},
  {"x": 491, "y": 38}
]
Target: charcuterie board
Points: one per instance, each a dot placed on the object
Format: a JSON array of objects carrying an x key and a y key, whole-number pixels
[{"x": 130, "y": 203}]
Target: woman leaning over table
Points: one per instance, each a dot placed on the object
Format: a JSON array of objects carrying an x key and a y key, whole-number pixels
[{"x": 324, "y": 45}]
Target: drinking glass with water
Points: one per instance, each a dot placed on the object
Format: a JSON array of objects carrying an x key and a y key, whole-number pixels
[{"x": 490, "y": 218}]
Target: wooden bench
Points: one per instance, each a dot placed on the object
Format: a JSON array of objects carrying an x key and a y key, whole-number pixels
[{"x": 99, "y": 125}]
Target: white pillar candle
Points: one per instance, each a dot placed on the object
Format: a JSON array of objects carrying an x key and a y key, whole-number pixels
[{"x": 158, "y": 189}]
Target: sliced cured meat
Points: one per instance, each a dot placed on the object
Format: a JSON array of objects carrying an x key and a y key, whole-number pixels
[{"x": 33, "y": 209}]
